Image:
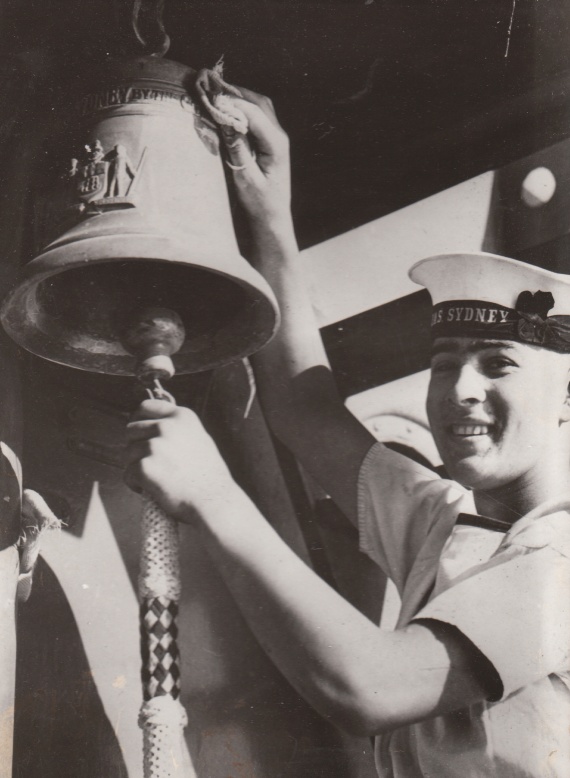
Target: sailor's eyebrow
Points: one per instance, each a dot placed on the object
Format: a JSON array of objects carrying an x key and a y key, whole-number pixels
[{"x": 453, "y": 346}]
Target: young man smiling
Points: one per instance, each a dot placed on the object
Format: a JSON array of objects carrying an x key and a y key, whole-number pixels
[{"x": 474, "y": 680}]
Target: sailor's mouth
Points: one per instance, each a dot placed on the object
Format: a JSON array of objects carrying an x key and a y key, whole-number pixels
[{"x": 471, "y": 430}]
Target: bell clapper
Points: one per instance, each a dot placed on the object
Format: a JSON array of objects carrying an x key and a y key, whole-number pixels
[{"x": 152, "y": 337}]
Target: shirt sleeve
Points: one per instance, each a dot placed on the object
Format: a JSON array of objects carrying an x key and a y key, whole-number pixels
[
  {"x": 399, "y": 502},
  {"x": 516, "y": 610}
]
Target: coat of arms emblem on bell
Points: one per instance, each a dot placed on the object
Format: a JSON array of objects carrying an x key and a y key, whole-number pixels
[{"x": 100, "y": 175}]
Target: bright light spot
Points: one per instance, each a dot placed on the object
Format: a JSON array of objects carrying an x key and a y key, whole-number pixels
[{"x": 538, "y": 187}]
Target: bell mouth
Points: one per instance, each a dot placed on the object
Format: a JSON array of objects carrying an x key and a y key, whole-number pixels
[{"x": 76, "y": 315}]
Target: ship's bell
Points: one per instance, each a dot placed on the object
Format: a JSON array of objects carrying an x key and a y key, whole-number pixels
[{"x": 133, "y": 212}]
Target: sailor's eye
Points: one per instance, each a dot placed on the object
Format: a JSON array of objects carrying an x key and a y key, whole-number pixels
[
  {"x": 443, "y": 365},
  {"x": 499, "y": 363}
]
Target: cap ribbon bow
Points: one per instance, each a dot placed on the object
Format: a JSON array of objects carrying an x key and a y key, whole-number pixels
[{"x": 535, "y": 326}]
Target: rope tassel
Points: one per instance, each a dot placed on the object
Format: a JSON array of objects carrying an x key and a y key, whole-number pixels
[{"x": 162, "y": 720}]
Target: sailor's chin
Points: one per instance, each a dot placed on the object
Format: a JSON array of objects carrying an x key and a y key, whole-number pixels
[{"x": 473, "y": 472}]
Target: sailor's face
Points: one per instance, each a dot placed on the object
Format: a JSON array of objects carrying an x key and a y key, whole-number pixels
[{"x": 495, "y": 409}]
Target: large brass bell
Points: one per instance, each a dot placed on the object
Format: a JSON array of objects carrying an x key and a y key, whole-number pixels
[{"x": 134, "y": 213}]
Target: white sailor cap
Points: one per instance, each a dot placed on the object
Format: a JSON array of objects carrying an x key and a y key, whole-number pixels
[{"x": 489, "y": 296}]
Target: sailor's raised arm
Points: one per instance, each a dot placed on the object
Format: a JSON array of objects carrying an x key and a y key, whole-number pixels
[{"x": 295, "y": 384}]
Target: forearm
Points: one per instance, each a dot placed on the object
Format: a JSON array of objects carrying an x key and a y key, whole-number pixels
[
  {"x": 297, "y": 350},
  {"x": 296, "y": 388},
  {"x": 364, "y": 679},
  {"x": 307, "y": 630}
]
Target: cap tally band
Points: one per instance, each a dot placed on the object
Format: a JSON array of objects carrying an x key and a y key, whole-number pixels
[{"x": 528, "y": 323}]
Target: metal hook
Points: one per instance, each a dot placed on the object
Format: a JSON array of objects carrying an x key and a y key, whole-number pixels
[{"x": 149, "y": 13}]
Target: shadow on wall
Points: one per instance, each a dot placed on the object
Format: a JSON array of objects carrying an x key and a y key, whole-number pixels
[{"x": 54, "y": 683}]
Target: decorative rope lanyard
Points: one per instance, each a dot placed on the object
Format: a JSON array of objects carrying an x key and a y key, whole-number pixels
[{"x": 162, "y": 716}]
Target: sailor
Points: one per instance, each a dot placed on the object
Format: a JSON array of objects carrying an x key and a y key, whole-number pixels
[{"x": 474, "y": 680}]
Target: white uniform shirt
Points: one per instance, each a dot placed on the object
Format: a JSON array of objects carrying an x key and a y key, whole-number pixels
[{"x": 508, "y": 593}]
